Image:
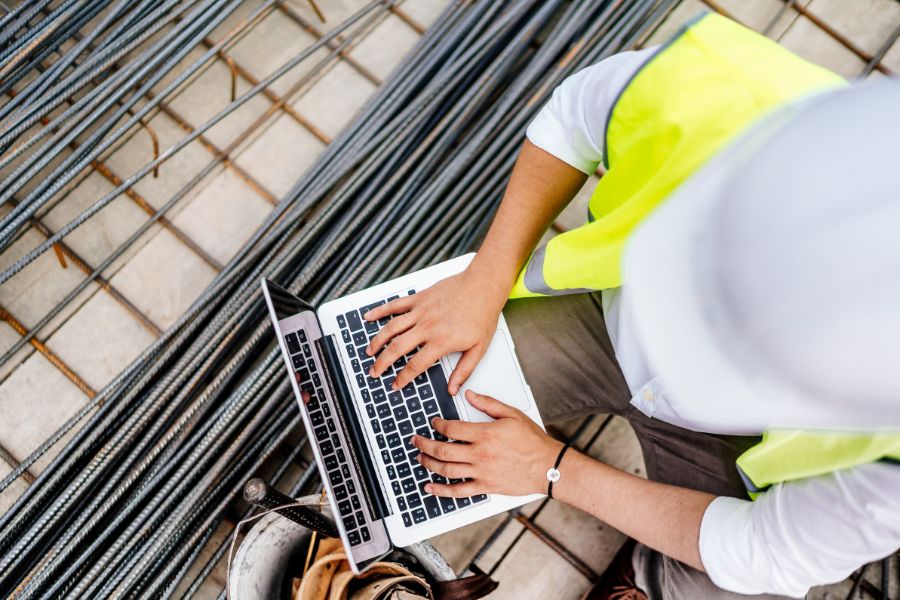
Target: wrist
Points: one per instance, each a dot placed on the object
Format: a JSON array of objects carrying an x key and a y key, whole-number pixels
[
  {"x": 492, "y": 279},
  {"x": 547, "y": 462}
]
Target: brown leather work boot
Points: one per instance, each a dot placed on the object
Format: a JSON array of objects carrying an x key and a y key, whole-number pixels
[{"x": 617, "y": 582}]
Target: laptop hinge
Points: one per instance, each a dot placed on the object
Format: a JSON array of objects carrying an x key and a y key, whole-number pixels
[{"x": 353, "y": 431}]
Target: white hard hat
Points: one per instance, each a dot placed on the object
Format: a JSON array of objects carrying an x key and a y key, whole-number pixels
[{"x": 766, "y": 290}]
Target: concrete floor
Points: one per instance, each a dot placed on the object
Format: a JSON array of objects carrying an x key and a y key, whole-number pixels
[{"x": 105, "y": 328}]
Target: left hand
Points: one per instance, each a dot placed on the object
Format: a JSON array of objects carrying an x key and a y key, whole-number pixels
[{"x": 508, "y": 456}]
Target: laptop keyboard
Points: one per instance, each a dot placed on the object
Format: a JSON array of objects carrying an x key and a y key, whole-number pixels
[
  {"x": 396, "y": 416},
  {"x": 331, "y": 446}
]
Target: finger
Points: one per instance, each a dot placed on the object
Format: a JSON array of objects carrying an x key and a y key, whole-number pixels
[
  {"x": 399, "y": 346},
  {"x": 416, "y": 365},
  {"x": 458, "y": 430},
  {"x": 443, "y": 451},
  {"x": 456, "y": 490},
  {"x": 450, "y": 470},
  {"x": 491, "y": 406},
  {"x": 392, "y": 329},
  {"x": 394, "y": 307},
  {"x": 464, "y": 368},
  {"x": 305, "y": 396}
]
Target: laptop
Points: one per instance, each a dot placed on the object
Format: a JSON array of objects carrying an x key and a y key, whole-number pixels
[{"x": 359, "y": 429}]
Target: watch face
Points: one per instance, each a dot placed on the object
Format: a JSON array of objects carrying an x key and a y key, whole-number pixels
[{"x": 552, "y": 475}]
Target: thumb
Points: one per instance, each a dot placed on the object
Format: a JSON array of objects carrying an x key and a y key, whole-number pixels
[
  {"x": 464, "y": 368},
  {"x": 490, "y": 406}
]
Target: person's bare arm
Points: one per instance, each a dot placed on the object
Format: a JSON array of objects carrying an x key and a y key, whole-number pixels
[
  {"x": 459, "y": 314},
  {"x": 512, "y": 454}
]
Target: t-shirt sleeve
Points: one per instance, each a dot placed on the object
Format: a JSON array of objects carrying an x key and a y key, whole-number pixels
[
  {"x": 572, "y": 124},
  {"x": 797, "y": 535}
]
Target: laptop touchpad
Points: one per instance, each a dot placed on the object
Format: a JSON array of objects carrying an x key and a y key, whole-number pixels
[{"x": 497, "y": 376}]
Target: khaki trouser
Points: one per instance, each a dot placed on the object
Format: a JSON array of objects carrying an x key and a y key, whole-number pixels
[{"x": 570, "y": 365}]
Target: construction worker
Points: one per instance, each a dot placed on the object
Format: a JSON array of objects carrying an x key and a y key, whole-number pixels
[{"x": 751, "y": 203}]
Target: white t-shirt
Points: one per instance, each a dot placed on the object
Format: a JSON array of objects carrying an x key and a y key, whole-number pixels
[{"x": 794, "y": 536}]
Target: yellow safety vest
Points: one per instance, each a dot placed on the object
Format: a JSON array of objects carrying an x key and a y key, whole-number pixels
[
  {"x": 693, "y": 97},
  {"x": 696, "y": 94}
]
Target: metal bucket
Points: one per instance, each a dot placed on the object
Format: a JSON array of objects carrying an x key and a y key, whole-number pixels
[{"x": 274, "y": 550}]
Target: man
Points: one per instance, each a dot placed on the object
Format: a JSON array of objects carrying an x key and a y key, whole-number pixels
[{"x": 761, "y": 259}]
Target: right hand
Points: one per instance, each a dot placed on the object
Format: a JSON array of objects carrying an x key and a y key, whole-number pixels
[{"x": 457, "y": 314}]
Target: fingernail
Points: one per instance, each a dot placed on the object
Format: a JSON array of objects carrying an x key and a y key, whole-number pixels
[
  {"x": 434, "y": 421},
  {"x": 368, "y": 351},
  {"x": 412, "y": 440},
  {"x": 394, "y": 386},
  {"x": 366, "y": 316},
  {"x": 429, "y": 488},
  {"x": 372, "y": 372}
]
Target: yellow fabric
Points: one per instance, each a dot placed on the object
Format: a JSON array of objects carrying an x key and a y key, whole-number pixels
[
  {"x": 792, "y": 455},
  {"x": 694, "y": 96}
]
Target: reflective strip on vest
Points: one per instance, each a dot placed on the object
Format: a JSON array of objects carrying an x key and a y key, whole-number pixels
[{"x": 688, "y": 101}]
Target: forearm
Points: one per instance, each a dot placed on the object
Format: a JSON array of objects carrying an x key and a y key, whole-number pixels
[
  {"x": 539, "y": 188},
  {"x": 664, "y": 517}
]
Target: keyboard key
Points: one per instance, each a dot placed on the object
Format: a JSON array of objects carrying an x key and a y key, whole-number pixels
[
  {"x": 407, "y": 520},
  {"x": 344, "y": 506},
  {"x": 354, "y": 321},
  {"x": 425, "y": 393},
  {"x": 353, "y": 538},
  {"x": 360, "y": 339},
  {"x": 386, "y": 457},
  {"x": 355, "y": 502},
  {"x": 321, "y": 433},
  {"x": 395, "y": 486},
  {"x": 354, "y": 362},
  {"x": 403, "y": 469},
  {"x": 413, "y": 404},
  {"x": 365, "y": 395},
  {"x": 396, "y": 398},
  {"x": 376, "y": 426},
  {"x": 432, "y": 508},
  {"x": 351, "y": 487},
  {"x": 381, "y": 441},
  {"x": 439, "y": 385},
  {"x": 360, "y": 381},
  {"x": 414, "y": 500},
  {"x": 398, "y": 455},
  {"x": 392, "y": 472},
  {"x": 378, "y": 396},
  {"x": 424, "y": 432},
  {"x": 419, "y": 516},
  {"x": 370, "y": 410},
  {"x": 331, "y": 463},
  {"x": 331, "y": 427},
  {"x": 326, "y": 447},
  {"x": 419, "y": 419},
  {"x": 447, "y": 505},
  {"x": 361, "y": 353},
  {"x": 335, "y": 477},
  {"x": 345, "y": 336},
  {"x": 393, "y": 440},
  {"x": 313, "y": 403},
  {"x": 340, "y": 493},
  {"x": 360, "y": 518},
  {"x": 340, "y": 455},
  {"x": 371, "y": 328},
  {"x": 422, "y": 485},
  {"x": 345, "y": 471},
  {"x": 410, "y": 292},
  {"x": 349, "y": 522},
  {"x": 299, "y": 362},
  {"x": 326, "y": 410},
  {"x": 400, "y": 413},
  {"x": 306, "y": 351},
  {"x": 384, "y": 411},
  {"x": 342, "y": 322},
  {"x": 407, "y": 438},
  {"x": 409, "y": 391},
  {"x": 431, "y": 407},
  {"x": 367, "y": 364},
  {"x": 366, "y": 536},
  {"x": 388, "y": 381},
  {"x": 409, "y": 485},
  {"x": 421, "y": 378},
  {"x": 389, "y": 425},
  {"x": 420, "y": 473},
  {"x": 479, "y": 498},
  {"x": 392, "y": 298},
  {"x": 401, "y": 503},
  {"x": 292, "y": 343},
  {"x": 351, "y": 350},
  {"x": 316, "y": 418},
  {"x": 463, "y": 502},
  {"x": 316, "y": 380}
]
